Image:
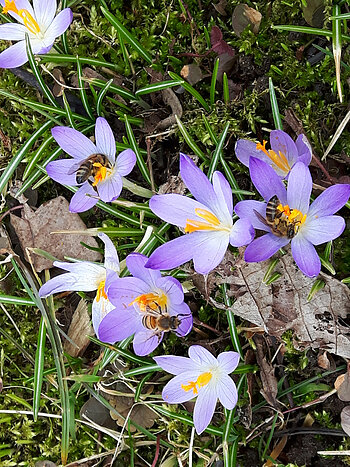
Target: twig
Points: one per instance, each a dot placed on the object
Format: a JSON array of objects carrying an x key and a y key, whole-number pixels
[
  {"x": 157, "y": 452},
  {"x": 149, "y": 163},
  {"x": 10, "y": 210}
]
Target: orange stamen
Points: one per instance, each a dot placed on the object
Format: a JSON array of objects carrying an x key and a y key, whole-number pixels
[
  {"x": 101, "y": 174},
  {"x": 293, "y": 215},
  {"x": 212, "y": 222},
  {"x": 101, "y": 291},
  {"x": 150, "y": 300},
  {"x": 27, "y": 18},
  {"x": 201, "y": 381},
  {"x": 279, "y": 159}
]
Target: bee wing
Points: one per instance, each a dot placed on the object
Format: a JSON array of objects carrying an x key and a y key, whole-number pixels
[
  {"x": 261, "y": 218},
  {"x": 75, "y": 167}
]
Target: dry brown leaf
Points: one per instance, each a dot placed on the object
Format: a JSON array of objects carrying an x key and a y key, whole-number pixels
[
  {"x": 313, "y": 12},
  {"x": 170, "y": 99},
  {"x": 325, "y": 361},
  {"x": 345, "y": 419},
  {"x": 220, "y": 7},
  {"x": 267, "y": 372},
  {"x": 34, "y": 231},
  {"x": 79, "y": 330},
  {"x": 244, "y": 16},
  {"x": 192, "y": 73},
  {"x": 57, "y": 89},
  {"x": 283, "y": 305},
  {"x": 343, "y": 389},
  {"x": 276, "y": 451}
]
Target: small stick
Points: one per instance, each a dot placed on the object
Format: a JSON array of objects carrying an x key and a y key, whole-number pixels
[
  {"x": 157, "y": 452},
  {"x": 149, "y": 163}
]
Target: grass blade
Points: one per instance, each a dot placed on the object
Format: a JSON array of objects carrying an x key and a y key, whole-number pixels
[
  {"x": 82, "y": 91},
  {"x": 21, "y": 301},
  {"x": 337, "y": 134},
  {"x": 61, "y": 58},
  {"x": 218, "y": 152},
  {"x": 225, "y": 88},
  {"x": 191, "y": 90},
  {"x": 307, "y": 30},
  {"x": 190, "y": 141},
  {"x": 68, "y": 110},
  {"x": 274, "y": 106},
  {"x": 36, "y": 157},
  {"x": 213, "y": 81},
  {"x": 336, "y": 45},
  {"x": 101, "y": 95},
  {"x": 159, "y": 86},
  {"x": 39, "y": 368},
  {"x": 113, "y": 87},
  {"x": 133, "y": 144}
]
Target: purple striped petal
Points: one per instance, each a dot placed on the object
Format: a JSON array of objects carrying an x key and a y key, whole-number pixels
[
  {"x": 110, "y": 188},
  {"x": 173, "y": 392},
  {"x": 228, "y": 361},
  {"x": 145, "y": 342},
  {"x": 105, "y": 141},
  {"x": 281, "y": 141},
  {"x": 330, "y": 201},
  {"x": 246, "y": 149},
  {"x": 227, "y": 392},
  {"x": 304, "y": 149},
  {"x": 242, "y": 233},
  {"x": 209, "y": 250},
  {"x": 305, "y": 256},
  {"x": 99, "y": 310},
  {"x": 136, "y": 263},
  {"x": 59, "y": 25},
  {"x": 14, "y": 56},
  {"x": 172, "y": 289},
  {"x": 13, "y": 32},
  {"x": 266, "y": 181},
  {"x": 126, "y": 161},
  {"x": 247, "y": 208},
  {"x": 45, "y": 12},
  {"x": 84, "y": 199},
  {"x": 184, "y": 314},
  {"x": 264, "y": 247},
  {"x": 175, "y": 365},
  {"x": 124, "y": 290},
  {"x": 111, "y": 255},
  {"x": 299, "y": 187},
  {"x": 172, "y": 254},
  {"x": 201, "y": 355},
  {"x": 59, "y": 171},
  {"x": 204, "y": 409},
  {"x": 223, "y": 192},
  {"x": 73, "y": 142},
  {"x": 323, "y": 229},
  {"x": 118, "y": 325}
]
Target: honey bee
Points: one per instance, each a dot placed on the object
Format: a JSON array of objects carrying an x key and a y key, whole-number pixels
[
  {"x": 159, "y": 320},
  {"x": 89, "y": 167},
  {"x": 278, "y": 222}
]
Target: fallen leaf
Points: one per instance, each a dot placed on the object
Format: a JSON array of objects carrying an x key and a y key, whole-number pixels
[
  {"x": 244, "y": 16},
  {"x": 79, "y": 330},
  {"x": 325, "y": 361},
  {"x": 267, "y": 372},
  {"x": 276, "y": 452},
  {"x": 5, "y": 141},
  {"x": 97, "y": 413},
  {"x": 343, "y": 389},
  {"x": 57, "y": 89},
  {"x": 192, "y": 73},
  {"x": 221, "y": 7},
  {"x": 34, "y": 229},
  {"x": 313, "y": 12},
  {"x": 345, "y": 419}
]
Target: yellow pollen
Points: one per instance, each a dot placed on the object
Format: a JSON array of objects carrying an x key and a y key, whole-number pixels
[
  {"x": 28, "y": 20},
  {"x": 279, "y": 159},
  {"x": 150, "y": 300},
  {"x": 293, "y": 215},
  {"x": 101, "y": 173},
  {"x": 201, "y": 381},
  {"x": 101, "y": 291},
  {"x": 212, "y": 222}
]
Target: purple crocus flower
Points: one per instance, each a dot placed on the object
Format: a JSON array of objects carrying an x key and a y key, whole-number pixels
[
  {"x": 282, "y": 156},
  {"x": 207, "y": 221},
  {"x": 87, "y": 277},
  {"x": 94, "y": 166},
  {"x": 140, "y": 301},
  {"x": 39, "y": 23},
  {"x": 308, "y": 225},
  {"x": 202, "y": 376}
]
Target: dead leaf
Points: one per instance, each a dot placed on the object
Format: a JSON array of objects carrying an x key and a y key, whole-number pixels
[
  {"x": 45, "y": 464},
  {"x": 79, "y": 330},
  {"x": 170, "y": 99},
  {"x": 343, "y": 389},
  {"x": 5, "y": 141},
  {"x": 267, "y": 372},
  {"x": 339, "y": 381},
  {"x": 221, "y": 7},
  {"x": 34, "y": 231},
  {"x": 319, "y": 323},
  {"x": 192, "y": 73},
  {"x": 57, "y": 89},
  {"x": 244, "y": 16},
  {"x": 276, "y": 452},
  {"x": 345, "y": 419},
  {"x": 313, "y": 12},
  {"x": 175, "y": 184},
  {"x": 97, "y": 413},
  {"x": 325, "y": 361}
]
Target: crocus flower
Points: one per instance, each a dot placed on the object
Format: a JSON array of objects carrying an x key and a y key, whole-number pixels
[
  {"x": 202, "y": 376},
  {"x": 96, "y": 164},
  {"x": 87, "y": 277},
  {"x": 39, "y": 23},
  {"x": 207, "y": 221},
  {"x": 310, "y": 225},
  {"x": 282, "y": 156},
  {"x": 137, "y": 299}
]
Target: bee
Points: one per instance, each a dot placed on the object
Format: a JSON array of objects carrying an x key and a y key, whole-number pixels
[
  {"x": 89, "y": 167},
  {"x": 278, "y": 222},
  {"x": 159, "y": 320}
]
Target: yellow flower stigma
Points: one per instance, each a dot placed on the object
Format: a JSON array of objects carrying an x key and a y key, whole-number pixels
[
  {"x": 201, "y": 381},
  {"x": 101, "y": 291},
  {"x": 28, "y": 20},
  {"x": 212, "y": 222},
  {"x": 150, "y": 300},
  {"x": 279, "y": 159},
  {"x": 101, "y": 173}
]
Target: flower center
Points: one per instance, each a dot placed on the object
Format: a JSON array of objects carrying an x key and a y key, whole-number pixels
[
  {"x": 28, "y": 20},
  {"x": 201, "y": 381},
  {"x": 279, "y": 159},
  {"x": 150, "y": 300},
  {"x": 294, "y": 216},
  {"x": 101, "y": 291},
  {"x": 100, "y": 172},
  {"x": 212, "y": 222}
]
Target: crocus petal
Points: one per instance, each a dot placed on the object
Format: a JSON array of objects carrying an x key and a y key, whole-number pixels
[
  {"x": 280, "y": 141},
  {"x": 227, "y": 392},
  {"x": 136, "y": 263},
  {"x": 111, "y": 255},
  {"x": 124, "y": 290},
  {"x": 173, "y": 253},
  {"x": 223, "y": 192},
  {"x": 105, "y": 141},
  {"x": 204, "y": 409},
  {"x": 59, "y": 25},
  {"x": 266, "y": 181},
  {"x": 73, "y": 142},
  {"x": 84, "y": 199},
  {"x": 14, "y": 56},
  {"x": 21, "y": 5},
  {"x": 175, "y": 209},
  {"x": 304, "y": 149},
  {"x": 110, "y": 188},
  {"x": 145, "y": 342},
  {"x": 173, "y": 392},
  {"x": 125, "y": 162},
  {"x": 247, "y": 208},
  {"x": 173, "y": 364},
  {"x": 305, "y": 256},
  {"x": 45, "y": 12},
  {"x": 323, "y": 229},
  {"x": 59, "y": 171},
  {"x": 172, "y": 289},
  {"x": 299, "y": 187},
  {"x": 185, "y": 316},
  {"x": 99, "y": 310},
  {"x": 209, "y": 250},
  {"x": 83, "y": 268},
  {"x": 118, "y": 325},
  {"x": 13, "y": 32},
  {"x": 242, "y": 233},
  {"x": 246, "y": 149},
  {"x": 228, "y": 361},
  {"x": 330, "y": 201},
  {"x": 201, "y": 356},
  {"x": 197, "y": 182},
  {"x": 264, "y": 247}
]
